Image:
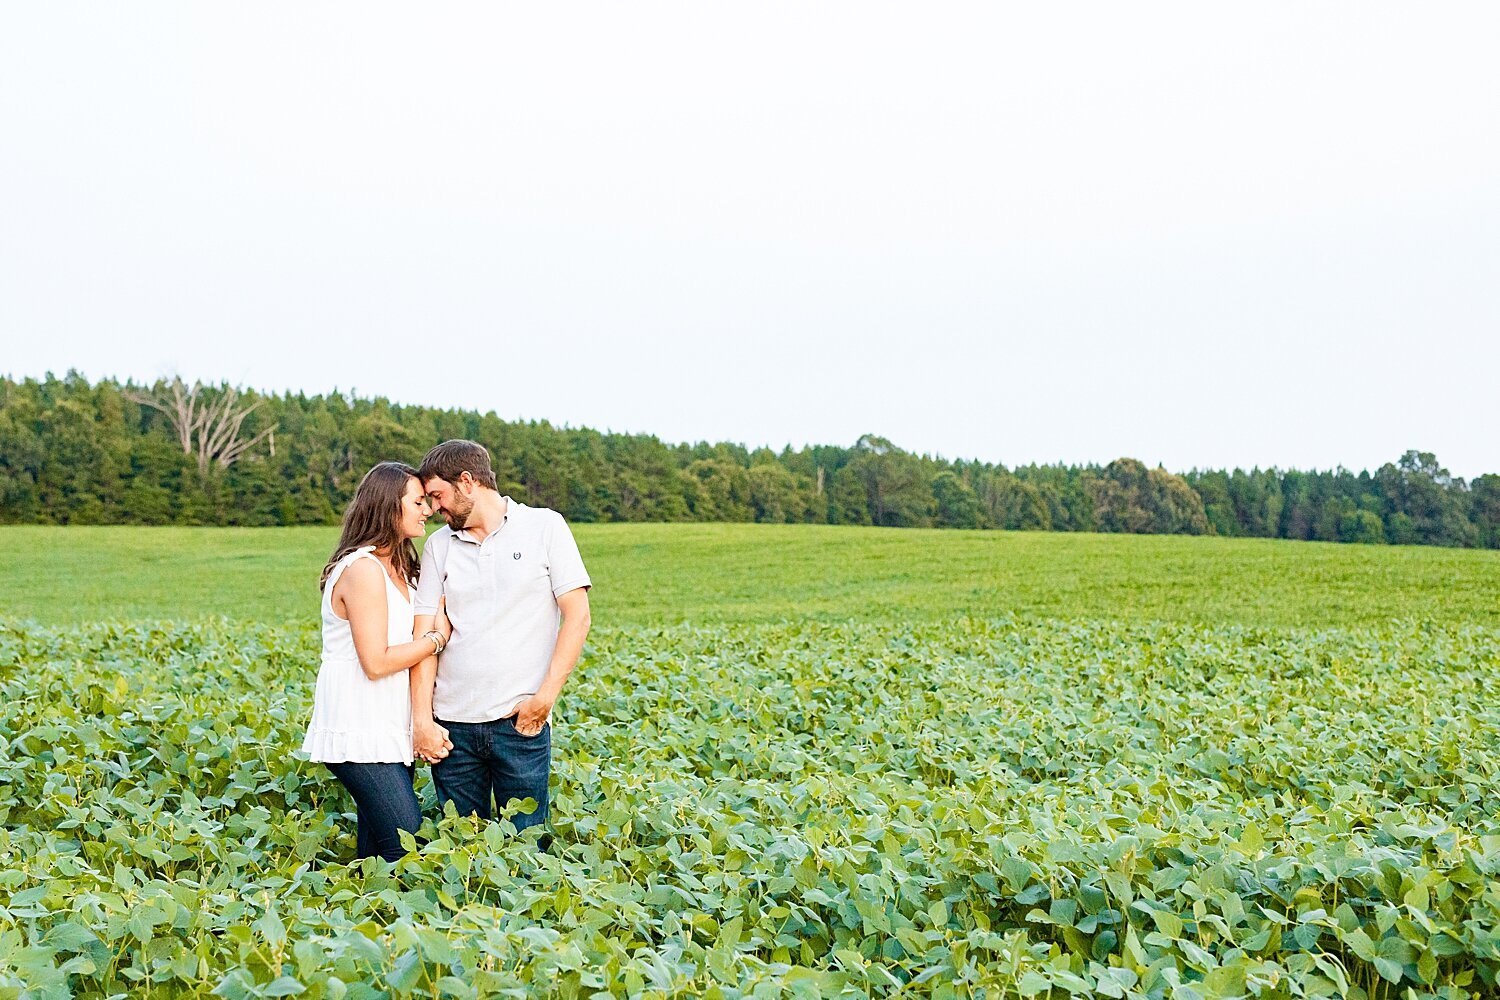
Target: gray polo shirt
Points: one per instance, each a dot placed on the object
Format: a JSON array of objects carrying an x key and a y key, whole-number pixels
[{"x": 502, "y": 599}]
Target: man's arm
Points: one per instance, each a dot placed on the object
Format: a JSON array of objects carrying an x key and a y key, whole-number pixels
[
  {"x": 531, "y": 714},
  {"x": 429, "y": 740}
]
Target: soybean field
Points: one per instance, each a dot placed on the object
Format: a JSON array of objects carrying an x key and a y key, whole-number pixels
[{"x": 793, "y": 762}]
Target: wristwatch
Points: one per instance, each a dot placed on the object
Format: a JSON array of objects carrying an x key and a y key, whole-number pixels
[{"x": 437, "y": 640}]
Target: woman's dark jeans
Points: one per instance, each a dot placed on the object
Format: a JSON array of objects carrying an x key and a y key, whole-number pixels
[
  {"x": 491, "y": 759},
  {"x": 385, "y": 803}
]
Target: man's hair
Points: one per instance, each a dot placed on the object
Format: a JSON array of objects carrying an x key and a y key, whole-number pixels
[{"x": 452, "y": 459}]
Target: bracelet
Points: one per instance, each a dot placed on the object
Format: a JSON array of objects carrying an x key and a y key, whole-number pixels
[{"x": 437, "y": 640}]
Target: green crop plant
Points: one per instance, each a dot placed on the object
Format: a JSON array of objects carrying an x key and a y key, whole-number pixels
[{"x": 977, "y": 807}]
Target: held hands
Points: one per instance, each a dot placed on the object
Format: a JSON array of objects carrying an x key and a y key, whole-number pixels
[
  {"x": 430, "y": 742},
  {"x": 531, "y": 715}
]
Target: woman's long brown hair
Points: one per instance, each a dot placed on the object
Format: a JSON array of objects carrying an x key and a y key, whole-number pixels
[{"x": 374, "y": 518}]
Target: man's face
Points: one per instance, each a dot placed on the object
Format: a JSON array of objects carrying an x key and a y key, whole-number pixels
[{"x": 449, "y": 500}]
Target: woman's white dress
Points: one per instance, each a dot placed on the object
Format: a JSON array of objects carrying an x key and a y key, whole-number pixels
[{"x": 353, "y": 717}]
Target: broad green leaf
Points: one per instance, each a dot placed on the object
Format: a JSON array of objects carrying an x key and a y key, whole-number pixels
[{"x": 1168, "y": 923}]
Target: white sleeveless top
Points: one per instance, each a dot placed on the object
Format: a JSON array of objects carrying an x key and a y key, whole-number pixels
[{"x": 353, "y": 717}]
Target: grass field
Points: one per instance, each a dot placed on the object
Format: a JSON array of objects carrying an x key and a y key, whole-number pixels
[
  {"x": 656, "y": 574},
  {"x": 794, "y": 762}
]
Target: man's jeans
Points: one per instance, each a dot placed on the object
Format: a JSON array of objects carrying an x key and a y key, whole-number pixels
[
  {"x": 491, "y": 758},
  {"x": 385, "y": 804}
]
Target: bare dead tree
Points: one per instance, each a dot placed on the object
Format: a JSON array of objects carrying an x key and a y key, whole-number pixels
[
  {"x": 179, "y": 407},
  {"x": 207, "y": 428}
]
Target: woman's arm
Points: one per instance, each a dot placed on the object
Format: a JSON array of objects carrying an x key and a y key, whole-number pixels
[{"x": 362, "y": 589}]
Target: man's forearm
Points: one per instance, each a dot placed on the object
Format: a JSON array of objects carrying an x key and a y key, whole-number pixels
[
  {"x": 570, "y": 640},
  {"x": 423, "y": 676}
]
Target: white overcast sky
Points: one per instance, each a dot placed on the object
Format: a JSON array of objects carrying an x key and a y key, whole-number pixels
[{"x": 1197, "y": 234}]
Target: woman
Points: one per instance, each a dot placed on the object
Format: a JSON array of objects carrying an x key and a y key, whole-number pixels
[{"x": 361, "y": 720}]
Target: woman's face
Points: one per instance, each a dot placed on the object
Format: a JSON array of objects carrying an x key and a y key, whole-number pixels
[{"x": 414, "y": 510}]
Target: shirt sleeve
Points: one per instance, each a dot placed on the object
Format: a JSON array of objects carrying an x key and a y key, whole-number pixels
[
  {"x": 430, "y": 581},
  {"x": 564, "y": 563}
]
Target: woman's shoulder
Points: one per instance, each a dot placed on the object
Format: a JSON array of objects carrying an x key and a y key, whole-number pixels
[
  {"x": 359, "y": 570},
  {"x": 355, "y": 556},
  {"x": 364, "y": 562}
]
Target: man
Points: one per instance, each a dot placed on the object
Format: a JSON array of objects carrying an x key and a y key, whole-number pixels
[{"x": 517, "y": 596}]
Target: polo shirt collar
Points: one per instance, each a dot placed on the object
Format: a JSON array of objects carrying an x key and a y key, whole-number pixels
[{"x": 510, "y": 508}]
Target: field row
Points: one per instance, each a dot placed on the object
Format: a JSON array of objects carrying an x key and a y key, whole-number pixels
[{"x": 972, "y": 809}]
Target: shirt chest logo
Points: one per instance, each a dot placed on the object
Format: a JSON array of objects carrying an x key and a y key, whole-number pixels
[{"x": 515, "y": 555}]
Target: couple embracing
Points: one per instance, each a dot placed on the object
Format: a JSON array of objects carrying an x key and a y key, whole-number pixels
[{"x": 455, "y": 658}]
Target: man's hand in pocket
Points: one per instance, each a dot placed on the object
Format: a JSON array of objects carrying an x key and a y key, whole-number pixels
[{"x": 531, "y": 715}]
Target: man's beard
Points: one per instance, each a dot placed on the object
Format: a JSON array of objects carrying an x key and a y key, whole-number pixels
[{"x": 458, "y": 518}]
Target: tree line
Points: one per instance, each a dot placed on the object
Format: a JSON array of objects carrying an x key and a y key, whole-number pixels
[{"x": 76, "y": 452}]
